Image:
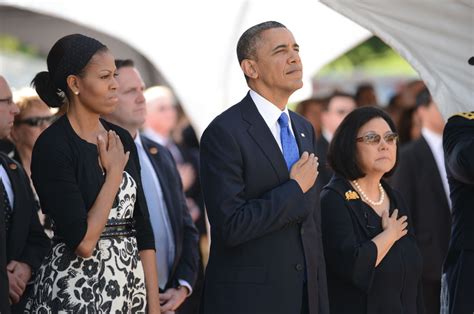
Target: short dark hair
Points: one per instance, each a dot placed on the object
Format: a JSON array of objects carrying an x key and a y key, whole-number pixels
[
  {"x": 121, "y": 63},
  {"x": 246, "y": 46},
  {"x": 423, "y": 98},
  {"x": 342, "y": 153},
  {"x": 303, "y": 106},
  {"x": 335, "y": 94},
  {"x": 362, "y": 88}
]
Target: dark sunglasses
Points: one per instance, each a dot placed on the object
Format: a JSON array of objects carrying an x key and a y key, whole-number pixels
[
  {"x": 36, "y": 121},
  {"x": 374, "y": 138}
]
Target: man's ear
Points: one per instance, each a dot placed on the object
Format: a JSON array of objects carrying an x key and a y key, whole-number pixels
[
  {"x": 249, "y": 67},
  {"x": 73, "y": 84}
]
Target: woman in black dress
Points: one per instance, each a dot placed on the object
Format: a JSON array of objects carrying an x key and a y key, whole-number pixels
[
  {"x": 373, "y": 262},
  {"x": 87, "y": 175}
]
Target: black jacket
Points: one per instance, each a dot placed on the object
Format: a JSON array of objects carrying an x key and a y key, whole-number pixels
[
  {"x": 263, "y": 228},
  {"x": 458, "y": 142},
  {"x": 67, "y": 177},
  {"x": 355, "y": 285}
]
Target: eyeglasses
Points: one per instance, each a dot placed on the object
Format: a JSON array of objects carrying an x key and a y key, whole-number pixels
[
  {"x": 374, "y": 138},
  {"x": 36, "y": 121}
]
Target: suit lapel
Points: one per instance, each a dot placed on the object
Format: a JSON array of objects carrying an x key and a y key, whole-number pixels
[{"x": 263, "y": 137}]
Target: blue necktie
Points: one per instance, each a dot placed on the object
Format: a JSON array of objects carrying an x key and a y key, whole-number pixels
[{"x": 288, "y": 142}]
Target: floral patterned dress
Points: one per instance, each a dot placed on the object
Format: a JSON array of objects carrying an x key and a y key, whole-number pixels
[{"x": 110, "y": 281}]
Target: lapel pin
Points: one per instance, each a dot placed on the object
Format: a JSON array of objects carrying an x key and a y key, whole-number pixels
[
  {"x": 153, "y": 150},
  {"x": 13, "y": 166},
  {"x": 351, "y": 195},
  {"x": 302, "y": 135}
]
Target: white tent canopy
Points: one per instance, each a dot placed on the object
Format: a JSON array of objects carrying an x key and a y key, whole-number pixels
[
  {"x": 192, "y": 43},
  {"x": 435, "y": 37}
]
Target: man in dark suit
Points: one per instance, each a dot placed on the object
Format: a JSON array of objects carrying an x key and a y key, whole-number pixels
[
  {"x": 176, "y": 238},
  {"x": 8, "y": 110},
  {"x": 421, "y": 179},
  {"x": 458, "y": 144},
  {"x": 162, "y": 120},
  {"x": 337, "y": 107},
  {"x": 22, "y": 237},
  {"x": 266, "y": 250}
]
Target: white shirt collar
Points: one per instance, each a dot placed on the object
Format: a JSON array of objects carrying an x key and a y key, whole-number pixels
[
  {"x": 327, "y": 135},
  {"x": 270, "y": 114},
  {"x": 433, "y": 139},
  {"x": 268, "y": 110}
]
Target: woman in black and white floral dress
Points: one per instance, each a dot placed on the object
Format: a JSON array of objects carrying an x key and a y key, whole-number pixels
[
  {"x": 87, "y": 176},
  {"x": 112, "y": 279}
]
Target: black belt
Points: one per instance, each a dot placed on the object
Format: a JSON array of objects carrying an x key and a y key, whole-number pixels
[
  {"x": 119, "y": 228},
  {"x": 115, "y": 228}
]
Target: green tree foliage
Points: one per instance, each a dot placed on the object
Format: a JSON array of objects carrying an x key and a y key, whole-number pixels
[
  {"x": 373, "y": 57},
  {"x": 14, "y": 45}
]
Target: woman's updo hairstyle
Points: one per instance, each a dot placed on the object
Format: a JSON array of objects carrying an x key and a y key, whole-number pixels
[{"x": 68, "y": 56}]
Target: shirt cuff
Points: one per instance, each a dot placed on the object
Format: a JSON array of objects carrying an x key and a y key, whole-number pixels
[{"x": 184, "y": 283}]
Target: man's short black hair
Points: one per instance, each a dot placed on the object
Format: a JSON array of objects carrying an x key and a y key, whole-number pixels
[
  {"x": 335, "y": 94},
  {"x": 246, "y": 46},
  {"x": 120, "y": 63},
  {"x": 342, "y": 153}
]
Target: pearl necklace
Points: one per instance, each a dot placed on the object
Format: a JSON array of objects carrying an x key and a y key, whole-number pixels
[{"x": 382, "y": 194}]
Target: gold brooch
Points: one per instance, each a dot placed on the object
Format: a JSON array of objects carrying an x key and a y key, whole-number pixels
[
  {"x": 153, "y": 150},
  {"x": 351, "y": 195},
  {"x": 13, "y": 166}
]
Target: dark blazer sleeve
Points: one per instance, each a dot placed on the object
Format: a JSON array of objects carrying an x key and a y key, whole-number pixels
[
  {"x": 4, "y": 289},
  {"x": 459, "y": 160},
  {"x": 53, "y": 176},
  {"x": 144, "y": 235},
  {"x": 458, "y": 143},
  {"x": 351, "y": 260},
  {"x": 234, "y": 219},
  {"x": 187, "y": 268}
]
